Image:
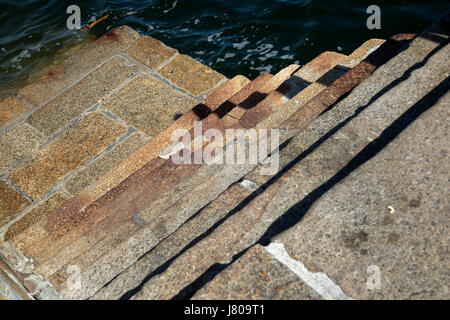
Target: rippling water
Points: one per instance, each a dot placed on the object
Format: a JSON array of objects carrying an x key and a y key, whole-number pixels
[{"x": 232, "y": 36}]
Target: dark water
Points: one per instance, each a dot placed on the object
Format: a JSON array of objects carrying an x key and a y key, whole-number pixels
[{"x": 232, "y": 36}]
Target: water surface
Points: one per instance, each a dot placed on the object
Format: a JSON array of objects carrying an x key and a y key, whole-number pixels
[{"x": 231, "y": 36}]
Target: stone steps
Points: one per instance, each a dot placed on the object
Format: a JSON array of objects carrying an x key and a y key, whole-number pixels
[
  {"x": 247, "y": 224},
  {"x": 331, "y": 251},
  {"x": 43, "y": 111},
  {"x": 67, "y": 131},
  {"x": 99, "y": 230},
  {"x": 43, "y": 255},
  {"x": 312, "y": 71},
  {"x": 69, "y": 210},
  {"x": 52, "y": 262},
  {"x": 136, "y": 225},
  {"x": 342, "y": 224}
]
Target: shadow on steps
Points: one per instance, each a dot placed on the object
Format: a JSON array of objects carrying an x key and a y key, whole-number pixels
[{"x": 296, "y": 212}]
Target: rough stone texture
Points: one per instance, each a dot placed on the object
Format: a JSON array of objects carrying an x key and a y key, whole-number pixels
[
  {"x": 72, "y": 248},
  {"x": 77, "y": 145},
  {"x": 256, "y": 276},
  {"x": 150, "y": 52},
  {"x": 252, "y": 222},
  {"x": 317, "y": 67},
  {"x": 78, "y": 65},
  {"x": 261, "y": 93},
  {"x": 10, "y": 109},
  {"x": 82, "y": 249},
  {"x": 352, "y": 227},
  {"x": 228, "y": 95},
  {"x": 321, "y": 69},
  {"x": 60, "y": 111},
  {"x": 177, "y": 208},
  {"x": 260, "y": 90},
  {"x": 275, "y": 83},
  {"x": 174, "y": 244},
  {"x": 11, "y": 203},
  {"x": 220, "y": 246},
  {"x": 62, "y": 227},
  {"x": 120, "y": 196},
  {"x": 185, "y": 177},
  {"x": 91, "y": 173},
  {"x": 281, "y": 76},
  {"x": 307, "y": 80},
  {"x": 274, "y": 100},
  {"x": 148, "y": 104},
  {"x": 10, "y": 287},
  {"x": 164, "y": 227},
  {"x": 347, "y": 82},
  {"x": 17, "y": 145},
  {"x": 191, "y": 75},
  {"x": 34, "y": 215},
  {"x": 82, "y": 230},
  {"x": 56, "y": 267}
]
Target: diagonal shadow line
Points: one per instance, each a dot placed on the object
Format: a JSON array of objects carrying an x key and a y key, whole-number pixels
[
  {"x": 304, "y": 154},
  {"x": 294, "y": 214}
]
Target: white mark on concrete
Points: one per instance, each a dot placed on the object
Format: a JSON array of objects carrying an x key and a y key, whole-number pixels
[
  {"x": 249, "y": 185},
  {"x": 317, "y": 281}
]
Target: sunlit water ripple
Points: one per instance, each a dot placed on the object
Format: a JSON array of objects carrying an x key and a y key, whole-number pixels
[{"x": 233, "y": 37}]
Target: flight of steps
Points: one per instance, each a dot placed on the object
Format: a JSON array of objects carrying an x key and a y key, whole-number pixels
[{"x": 138, "y": 226}]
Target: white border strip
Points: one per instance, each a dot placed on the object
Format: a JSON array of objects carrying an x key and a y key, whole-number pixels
[{"x": 317, "y": 281}]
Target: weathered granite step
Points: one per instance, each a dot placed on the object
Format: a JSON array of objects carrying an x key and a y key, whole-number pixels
[
  {"x": 111, "y": 217},
  {"x": 225, "y": 175},
  {"x": 82, "y": 110},
  {"x": 99, "y": 249},
  {"x": 10, "y": 286},
  {"x": 34, "y": 167},
  {"x": 78, "y": 65},
  {"x": 326, "y": 65},
  {"x": 248, "y": 96},
  {"x": 120, "y": 170},
  {"x": 247, "y": 225},
  {"x": 193, "y": 228},
  {"x": 204, "y": 192}
]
